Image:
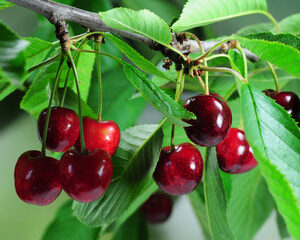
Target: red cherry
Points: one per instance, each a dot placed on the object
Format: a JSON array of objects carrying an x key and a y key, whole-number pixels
[
  {"x": 157, "y": 208},
  {"x": 104, "y": 135},
  {"x": 63, "y": 129},
  {"x": 85, "y": 177},
  {"x": 270, "y": 92},
  {"x": 234, "y": 153},
  {"x": 227, "y": 108},
  {"x": 179, "y": 171},
  {"x": 290, "y": 102},
  {"x": 37, "y": 178},
  {"x": 213, "y": 119}
]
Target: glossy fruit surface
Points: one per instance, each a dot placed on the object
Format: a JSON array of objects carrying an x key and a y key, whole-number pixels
[
  {"x": 227, "y": 108},
  {"x": 63, "y": 129},
  {"x": 213, "y": 119},
  {"x": 179, "y": 171},
  {"x": 234, "y": 153},
  {"x": 104, "y": 135},
  {"x": 37, "y": 178},
  {"x": 157, "y": 208},
  {"x": 85, "y": 177}
]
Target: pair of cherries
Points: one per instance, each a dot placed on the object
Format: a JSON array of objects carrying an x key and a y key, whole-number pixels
[
  {"x": 179, "y": 170},
  {"x": 85, "y": 177}
]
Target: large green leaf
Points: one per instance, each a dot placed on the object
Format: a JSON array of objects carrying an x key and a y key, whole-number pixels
[
  {"x": 36, "y": 51},
  {"x": 250, "y": 204},
  {"x": 282, "y": 49},
  {"x": 142, "y": 22},
  {"x": 12, "y": 61},
  {"x": 134, "y": 228},
  {"x": 135, "y": 57},
  {"x": 198, "y": 203},
  {"x": 134, "y": 163},
  {"x": 198, "y": 13},
  {"x": 215, "y": 199},
  {"x": 67, "y": 226},
  {"x": 4, "y": 4},
  {"x": 275, "y": 139},
  {"x": 157, "y": 97},
  {"x": 291, "y": 24}
]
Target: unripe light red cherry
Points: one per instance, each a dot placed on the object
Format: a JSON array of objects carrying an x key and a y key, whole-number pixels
[
  {"x": 213, "y": 119},
  {"x": 234, "y": 153},
  {"x": 158, "y": 208},
  {"x": 63, "y": 129},
  {"x": 179, "y": 171},
  {"x": 37, "y": 178},
  {"x": 85, "y": 177},
  {"x": 104, "y": 135}
]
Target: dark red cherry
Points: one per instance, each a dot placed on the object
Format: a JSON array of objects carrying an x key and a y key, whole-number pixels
[
  {"x": 104, "y": 135},
  {"x": 157, "y": 208},
  {"x": 85, "y": 177},
  {"x": 179, "y": 171},
  {"x": 291, "y": 103},
  {"x": 227, "y": 108},
  {"x": 213, "y": 119},
  {"x": 234, "y": 153},
  {"x": 37, "y": 178},
  {"x": 63, "y": 129}
]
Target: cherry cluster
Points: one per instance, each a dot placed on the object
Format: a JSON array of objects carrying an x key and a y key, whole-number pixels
[
  {"x": 179, "y": 170},
  {"x": 84, "y": 176}
]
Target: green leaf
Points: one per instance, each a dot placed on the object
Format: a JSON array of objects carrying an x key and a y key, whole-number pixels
[
  {"x": 134, "y": 163},
  {"x": 255, "y": 28},
  {"x": 85, "y": 64},
  {"x": 282, "y": 227},
  {"x": 250, "y": 204},
  {"x": 66, "y": 226},
  {"x": 198, "y": 13},
  {"x": 215, "y": 199},
  {"x": 36, "y": 52},
  {"x": 135, "y": 227},
  {"x": 275, "y": 140},
  {"x": 12, "y": 62},
  {"x": 291, "y": 24},
  {"x": 198, "y": 203},
  {"x": 153, "y": 94},
  {"x": 282, "y": 49},
  {"x": 135, "y": 57},
  {"x": 142, "y": 22},
  {"x": 4, "y": 4}
]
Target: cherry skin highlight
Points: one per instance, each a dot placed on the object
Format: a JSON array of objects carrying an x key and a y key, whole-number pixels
[
  {"x": 234, "y": 153},
  {"x": 158, "y": 208},
  {"x": 179, "y": 171},
  {"x": 37, "y": 178},
  {"x": 63, "y": 129},
  {"x": 85, "y": 177},
  {"x": 104, "y": 135},
  {"x": 213, "y": 119}
]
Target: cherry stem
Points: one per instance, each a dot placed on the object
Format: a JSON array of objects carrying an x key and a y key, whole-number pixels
[
  {"x": 239, "y": 48},
  {"x": 201, "y": 82},
  {"x": 70, "y": 57},
  {"x": 209, "y": 51},
  {"x": 98, "y": 40},
  {"x": 53, "y": 90},
  {"x": 274, "y": 75},
  {"x": 65, "y": 88},
  {"x": 44, "y": 63},
  {"x": 90, "y": 51},
  {"x": 172, "y": 137},
  {"x": 223, "y": 69}
]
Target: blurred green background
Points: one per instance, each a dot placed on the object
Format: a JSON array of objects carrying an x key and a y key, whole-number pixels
[{"x": 18, "y": 129}]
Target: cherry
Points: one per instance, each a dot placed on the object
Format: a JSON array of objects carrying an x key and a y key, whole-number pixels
[
  {"x": 289, "y": 100},
  {"x": 213, "y": 119},
  {"x": 179, "y": 171},
  {"x": 63, "y": 129},
  {"x": 85, "y": 177},
  {"x": 104, "y": 135},
  {"x": 157, "y": 208},
  {"x": 234, "y": 153},
  {"x": 37, "y": 178}
]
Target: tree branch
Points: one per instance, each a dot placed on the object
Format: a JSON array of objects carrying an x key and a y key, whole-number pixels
[{"x": 92, "y": 21}]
